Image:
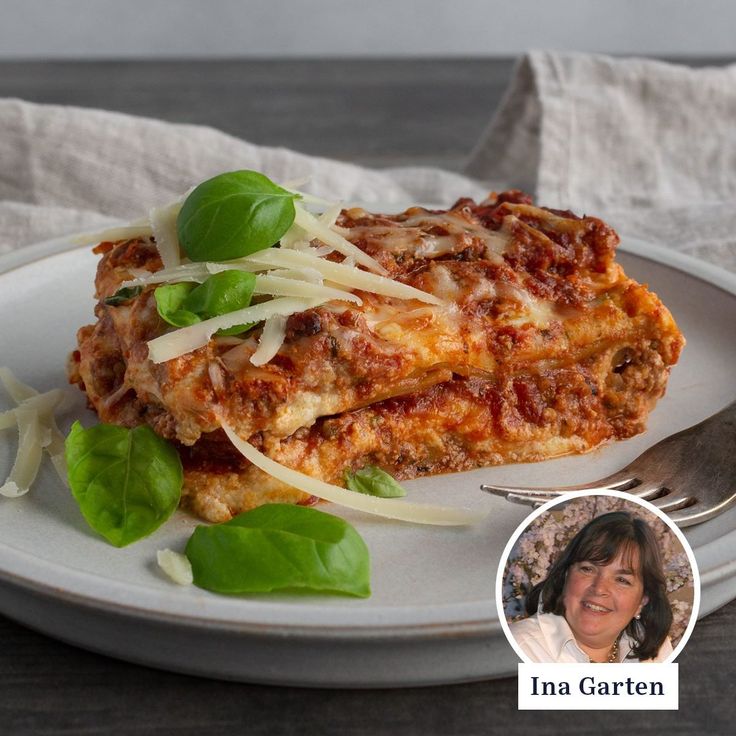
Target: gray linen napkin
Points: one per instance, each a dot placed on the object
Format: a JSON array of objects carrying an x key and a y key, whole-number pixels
[
  {"x": 66, "y": 169},
  {"x": 649, "y": 146}
]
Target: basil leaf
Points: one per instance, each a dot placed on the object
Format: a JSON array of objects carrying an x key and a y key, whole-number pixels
[
  {"x": 233, "y": 215},
  {"x": 223, "y": 292},
  {"x": 127, "y": 482},
  {"x": 373, "y": 481},
  {"x": 280, "y": 547},
  {"x": 170, "y": 304},
  {"x": 122, "y": 295},
  {"x": 186, "y": 303}
]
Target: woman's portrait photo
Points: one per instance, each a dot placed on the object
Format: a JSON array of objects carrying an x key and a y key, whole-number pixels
[{"x": 600, "y": 578}]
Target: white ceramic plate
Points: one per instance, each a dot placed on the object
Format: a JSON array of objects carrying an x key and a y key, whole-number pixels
[{"x": 431, "y": 618}]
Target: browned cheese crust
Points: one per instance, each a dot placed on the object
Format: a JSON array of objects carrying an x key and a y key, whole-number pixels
[{"x": 543, "y": 347}]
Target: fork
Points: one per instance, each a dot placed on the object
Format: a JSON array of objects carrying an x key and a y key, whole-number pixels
[{"x": 690, "y": 475}]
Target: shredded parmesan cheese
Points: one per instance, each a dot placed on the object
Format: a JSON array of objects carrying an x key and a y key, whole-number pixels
[
  {"x": 272, "y": 338},
  {"x": 163, "y": 225},
  {"x": 37, "y": 430},
  {"x": 138, "y": 229},
  {"x": 388, "y": 507},
  {"x": 295, "y": 254},
  {"x": 321, "y": 251},
  {"x": 278, "y": 286},
  {"x": 338, "y": 273},
  {"x": 330, "y": 215},
  {"x": 294, "y": 237},
  {"x": 176, "y": 566},
  {"x": 18, "y": 391},
  {"x": 300, "y": 274},
  {"x": 308, "y": 198},
  {"x": 177, "y": 343},
  {"x": 193, "y": 272},
  {"x": 286, "y": 283},
  {"x": 312, "y": 226},
  {"x": 28, "y": 459},
  {"x": 160, "y": 225}
]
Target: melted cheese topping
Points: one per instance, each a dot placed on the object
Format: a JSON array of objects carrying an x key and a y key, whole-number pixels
[
  {"x": 414, "y": 234},
  {"x": 529, "y": 309},
  {"x": 533, "y": 310}
]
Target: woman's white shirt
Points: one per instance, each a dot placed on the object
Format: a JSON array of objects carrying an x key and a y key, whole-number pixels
[{"x": 547, "y": 637}]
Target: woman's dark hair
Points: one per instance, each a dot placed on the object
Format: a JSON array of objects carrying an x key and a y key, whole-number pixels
[{"x": 600, "y": 541}]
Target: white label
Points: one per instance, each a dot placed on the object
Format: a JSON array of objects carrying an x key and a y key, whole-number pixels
[{"x": 598, "y": 687}]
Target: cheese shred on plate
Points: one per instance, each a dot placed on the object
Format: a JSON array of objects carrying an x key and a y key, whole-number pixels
[
  {"x": 37, "y": 431},
  {"x": 176, "y": 566}
]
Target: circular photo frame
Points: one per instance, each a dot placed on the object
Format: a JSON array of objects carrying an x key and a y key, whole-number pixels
[{"x": 543, "y": 559}]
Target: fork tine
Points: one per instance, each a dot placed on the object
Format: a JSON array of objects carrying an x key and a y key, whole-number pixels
[
  {"x": 505, "y": 491},
  {"x": 669, "y": 502},
  {"x": 534, "y": 501},
  {"x": 546, "y": 494},
  {"x": 698, "y": 512},
  {"x": 521, "y": 495},
  {"x": 649, "y": 491},
  {"x": 537, "y": 496}
]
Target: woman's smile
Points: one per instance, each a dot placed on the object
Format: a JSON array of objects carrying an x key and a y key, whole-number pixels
[{"x": 594, "y": 607}]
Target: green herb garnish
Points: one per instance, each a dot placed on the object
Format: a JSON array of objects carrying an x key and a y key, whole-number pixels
[
  {"x": 186, "y": 304},
  {"x": 280, "y": 547},
  {"x": 121, "y": 296},
  {"x": 233, "y": 215},
  {"x": 373, "y": 481},
  {"x": 127, "y": 482},
  {"x": 170, "y": 304}
]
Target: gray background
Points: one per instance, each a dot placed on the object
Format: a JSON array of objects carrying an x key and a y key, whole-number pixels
[{"x": 128, "y": 29}]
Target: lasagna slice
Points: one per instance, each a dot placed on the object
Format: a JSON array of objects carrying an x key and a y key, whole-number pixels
[{"x": 535, "y": 344}]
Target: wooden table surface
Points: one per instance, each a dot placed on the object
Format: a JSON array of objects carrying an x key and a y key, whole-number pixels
[{"x": 375, "y": 113}]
